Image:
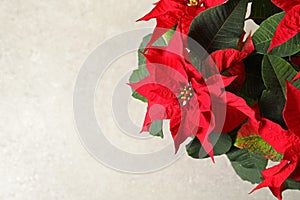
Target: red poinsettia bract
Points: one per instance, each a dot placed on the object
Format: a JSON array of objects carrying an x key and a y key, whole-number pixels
[
  {"x": 230, "y": 62},
  {"x": 169, "y": 13},
  {"x": 289, "y": 25},
  {"x": 173, "y": 95},
  {"x": 177, "y": 91},
  {"x": 284, "y": 141}
]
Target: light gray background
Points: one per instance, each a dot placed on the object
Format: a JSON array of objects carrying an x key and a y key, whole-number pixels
[{"x": 42, "y": 47}]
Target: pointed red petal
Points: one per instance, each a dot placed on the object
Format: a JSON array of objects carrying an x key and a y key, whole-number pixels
[
  {"x": 297, "y": 76},
  {"x": 227, "y": 80},
  {"x": 167, "y": 14},
  {"x": 154, "y": 92},
  {"x": 207, "y": 146},
  {"x": 287, "y": 28},
  {"x": 203, "y": 96},
  {"x": 216, "y": 84},
  {"x": 277, "y": 191},
  {"x": 166, "y": 64},
  {"x": 166, "y": 69},
  {"x": 275, "y": 177},
  {"x": 292, "y": 108},
  {"x": 184, "y": 24},
  {"x": 185, "y": 121},
  {"x": 212, "y": 3},
  {"x": 237, "y": 111},
  {"x": 229, "y": 62},
  {"x": 181, "y": 128},
  {"x": 248, "y": 47},
  {"x": 190, "y": 120},
  {"x": 286, "y": 5},
  {"x": 164, "y": 7},
  {"x": 224, "y": 58},
  {"x": 185, "y": 21},
  {"x": 273, "y": 134},
  {"x": 270, "y": 174},
  {"x": 157, "y": 33}
]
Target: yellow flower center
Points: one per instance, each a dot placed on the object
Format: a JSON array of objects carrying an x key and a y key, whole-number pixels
[
  {"x": 185, "y": 94},
  {"x": 193, "y": 3}
]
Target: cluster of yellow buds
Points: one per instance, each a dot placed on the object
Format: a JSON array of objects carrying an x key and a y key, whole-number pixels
[
  {"x": 185, "y": 94},
  {"x": 193, "y": 3}
]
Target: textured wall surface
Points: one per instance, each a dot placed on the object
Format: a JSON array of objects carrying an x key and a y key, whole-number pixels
[{"x": 42, "y": 47}]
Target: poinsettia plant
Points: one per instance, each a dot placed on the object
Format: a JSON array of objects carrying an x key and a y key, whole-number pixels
[{"x": 232, "y": 92}]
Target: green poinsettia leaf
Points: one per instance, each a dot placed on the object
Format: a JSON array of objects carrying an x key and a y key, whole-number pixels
[
  {"x": 156, "y": 128},
  {"x": 253, "y": 85},
  {"x": 248, "y": 138},
  {"x": 222, "y": 145},
  {"x": 136, "y": 76},
  {"x": 142, "y": 72},
  {"x": 264, "y": 34},
  {"x": 262, "y": 9},
  {"x": 247, "y": 165},
  {"x": 275, "y": 71},
  {"x": 292, "y": 184},
  {"x": 219, "y": 27},
  {"x": 271, "y": 105},
  {"x": 169, "y": 34}
]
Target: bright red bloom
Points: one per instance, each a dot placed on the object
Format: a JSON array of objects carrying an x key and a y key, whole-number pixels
[
  {"x": 169, "y": 13},
  {"x": 230, "y": 62},
  {"x": 286, "y": 142},
  {"x": 289, "y": 25},
  {"x": 177, "y": 91},
  {"x": 172, "y": 95}
]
